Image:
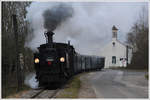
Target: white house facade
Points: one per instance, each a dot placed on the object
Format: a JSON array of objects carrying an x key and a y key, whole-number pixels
[{"x": 116, "y": 53}]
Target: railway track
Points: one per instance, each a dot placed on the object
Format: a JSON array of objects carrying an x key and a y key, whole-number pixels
[{"x": 40, "y": 93}]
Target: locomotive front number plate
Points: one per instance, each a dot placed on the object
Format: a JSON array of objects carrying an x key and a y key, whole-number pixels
[{"x": 49, "y": 59}]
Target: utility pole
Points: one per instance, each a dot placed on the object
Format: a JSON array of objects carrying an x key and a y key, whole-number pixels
[{"x": 15, "y": 26}]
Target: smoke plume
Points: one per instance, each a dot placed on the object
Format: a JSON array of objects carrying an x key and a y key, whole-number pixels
[
  {"x": 55, "y": 16},
  {"x": 87, "y": 25}
]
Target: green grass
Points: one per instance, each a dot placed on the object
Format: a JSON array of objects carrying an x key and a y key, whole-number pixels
[
  {"x": 72, "y": 89},
  {"x": 146, "y": 76}
]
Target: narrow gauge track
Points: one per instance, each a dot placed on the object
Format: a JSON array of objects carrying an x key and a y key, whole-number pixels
[{"x": 40, "y": 93}]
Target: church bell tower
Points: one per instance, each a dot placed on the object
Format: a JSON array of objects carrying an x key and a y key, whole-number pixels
[{"x": 114, "y": 32}]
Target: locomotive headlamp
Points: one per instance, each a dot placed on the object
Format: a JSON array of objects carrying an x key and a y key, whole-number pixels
[
  {"x": 62, "y": 59},
  {"x": 36, "y": 60}
]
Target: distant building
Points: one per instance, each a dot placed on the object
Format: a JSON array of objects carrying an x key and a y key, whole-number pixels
[{"x": 116, "y": 53}]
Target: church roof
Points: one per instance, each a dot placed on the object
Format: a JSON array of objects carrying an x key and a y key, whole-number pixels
[
  {"x": 114, "y": 27},
  {"x": 124, "y": 44},
  {"x": 121, "y": 43}
]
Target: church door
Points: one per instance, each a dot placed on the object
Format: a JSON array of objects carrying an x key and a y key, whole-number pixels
[{"x": 113, "y": 60}]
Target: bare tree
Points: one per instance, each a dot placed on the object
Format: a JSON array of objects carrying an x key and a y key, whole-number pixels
[{"x": 138, "y": 39}]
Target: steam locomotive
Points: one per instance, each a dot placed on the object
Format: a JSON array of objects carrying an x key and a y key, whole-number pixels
[{"x": 55, "y": 63}]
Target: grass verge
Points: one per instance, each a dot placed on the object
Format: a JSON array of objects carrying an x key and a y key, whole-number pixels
[
  {"x": 71, "y": 90},
  {"x": 146, "y": 76}
]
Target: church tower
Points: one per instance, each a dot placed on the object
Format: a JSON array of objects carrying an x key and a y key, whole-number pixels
[{"x": 114, "y": 33}]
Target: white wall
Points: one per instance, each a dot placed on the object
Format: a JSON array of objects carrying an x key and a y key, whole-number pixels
[{"x": 119, "y": 50}]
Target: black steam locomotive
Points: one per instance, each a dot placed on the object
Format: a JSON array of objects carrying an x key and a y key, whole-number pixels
[{"x": 57, "y": 62}]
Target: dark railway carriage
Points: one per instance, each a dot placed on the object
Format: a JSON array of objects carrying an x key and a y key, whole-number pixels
[
  {"x": 56, "y": 62},
  {"x": 101, "y": 63},
  {"x": 87, "y": 63}
]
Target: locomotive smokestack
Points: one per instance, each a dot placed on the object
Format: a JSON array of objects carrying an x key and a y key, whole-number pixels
[{"x": 49, "y": 37}]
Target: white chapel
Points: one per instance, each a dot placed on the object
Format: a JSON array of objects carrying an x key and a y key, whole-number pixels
[{"x": 116, "y": 54}]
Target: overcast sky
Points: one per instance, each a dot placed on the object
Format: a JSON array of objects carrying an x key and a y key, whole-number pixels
[{"x": 89, "y": 29}]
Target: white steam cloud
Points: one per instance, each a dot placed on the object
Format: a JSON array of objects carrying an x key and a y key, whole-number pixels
[
  {"x": 89, "y": 29},
  {"x": 31, "y": 81}
]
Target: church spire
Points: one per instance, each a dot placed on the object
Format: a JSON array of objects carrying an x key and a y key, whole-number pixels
[{"x": 114, "y": 32}]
